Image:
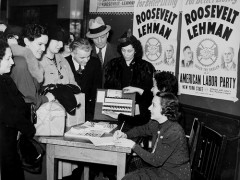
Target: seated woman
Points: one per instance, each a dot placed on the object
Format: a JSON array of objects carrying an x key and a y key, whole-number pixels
[
  {"x": 169, "y": 158},
  {"x": 14, "y": 117},
  {"x": 130, "y": 70}
]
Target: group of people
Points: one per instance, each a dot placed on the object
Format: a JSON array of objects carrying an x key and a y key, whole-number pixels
[{"x": 40, "y": 57}]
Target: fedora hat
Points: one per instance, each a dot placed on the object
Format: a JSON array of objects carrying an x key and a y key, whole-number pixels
[{"x": 97, "y": 28}]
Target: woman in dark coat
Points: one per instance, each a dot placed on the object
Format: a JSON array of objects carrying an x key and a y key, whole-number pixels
[
  {"x": 168, "y": 158},
  {"x": 131, "y": 70},
  {"x": 14, "y": 118}
]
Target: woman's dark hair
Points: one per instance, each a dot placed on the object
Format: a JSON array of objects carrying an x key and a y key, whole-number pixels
[
  {"x": 33, "y": 31},
  {"x": 3, "y": 46},
  {"x": 170, "y": 105},
  {"x": 128, "y": 39},
  {"x": 166, "y": 82}
]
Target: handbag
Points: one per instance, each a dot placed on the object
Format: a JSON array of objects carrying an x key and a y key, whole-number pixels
[
  {"x": 50, "y": 119},
  {"x": 31, "y": 154}
]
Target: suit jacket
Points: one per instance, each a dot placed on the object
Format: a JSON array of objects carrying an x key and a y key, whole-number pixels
[
  {"x": 111, "y": 53},
  {"x": 190, "y": 64},
  {"x": 232, "y": 68},
  {"x": 171, "y": 63},
  {"x": 89, "y": 80}
]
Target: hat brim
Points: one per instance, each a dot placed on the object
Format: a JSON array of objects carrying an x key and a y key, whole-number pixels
[{"x": 89, "y": 35}]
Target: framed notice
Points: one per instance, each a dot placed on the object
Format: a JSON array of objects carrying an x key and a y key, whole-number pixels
[{"x": 113, "y": 100}]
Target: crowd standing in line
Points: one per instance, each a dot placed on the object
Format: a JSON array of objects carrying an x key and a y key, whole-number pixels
[{"x": 100, "y": 65}]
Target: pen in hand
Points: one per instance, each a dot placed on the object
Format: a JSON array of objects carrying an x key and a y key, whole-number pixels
[
  {"x": 122, "y": 125},
  {"x": 119, "y": 134}
]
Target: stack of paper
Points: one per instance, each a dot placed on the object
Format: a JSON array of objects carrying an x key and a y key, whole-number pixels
[{"x": 90, "y": 130}]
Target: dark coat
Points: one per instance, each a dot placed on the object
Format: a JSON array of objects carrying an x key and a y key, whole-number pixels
[
  {"x": 111, "y": 53},
  {"x": 15, "y": 116},
  {"x": 89, "y": 80},
  {"x": 138, "y": 74}
]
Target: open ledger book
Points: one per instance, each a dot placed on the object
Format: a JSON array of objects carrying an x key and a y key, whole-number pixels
[{"x": 95, "y": 132}]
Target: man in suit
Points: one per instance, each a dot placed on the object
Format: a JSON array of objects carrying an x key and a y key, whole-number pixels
[
  {"x": 188, "y": 57},
  {"x": 169, "y": 60},
  {"x": 99, "y": 33},
  {"x": 87, "y": 72},
  {"x": 228, "y": 63}
]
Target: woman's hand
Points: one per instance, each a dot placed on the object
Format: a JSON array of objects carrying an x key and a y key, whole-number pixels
[
  {"x": 119, "y": 134},
  {"x": 50, "y": 96},
  {"x": 111, "y": 114},
  {"x": 123, "y": 142},
  {"x": 131, "y": 89}
]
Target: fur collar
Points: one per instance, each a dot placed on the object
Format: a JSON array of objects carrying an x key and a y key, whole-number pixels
[{"x": 34, "y": 67}]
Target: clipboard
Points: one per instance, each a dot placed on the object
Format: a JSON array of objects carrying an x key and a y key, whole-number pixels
[{"x": 113, "y": 100}]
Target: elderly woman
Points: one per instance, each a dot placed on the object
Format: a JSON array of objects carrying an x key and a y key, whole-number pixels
[
  {"x": 14, "y": 118},
  {"x": 169, "y": 157}
]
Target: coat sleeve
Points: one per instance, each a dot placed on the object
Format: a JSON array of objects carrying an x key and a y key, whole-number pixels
[
  {"x": 25, "y": 83},
  {"x": 14, "y": 113},
  {"x": 140, "y": 131}
]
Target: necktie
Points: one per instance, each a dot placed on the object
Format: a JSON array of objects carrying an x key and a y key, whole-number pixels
[
  {"x": 79, "y": 71},
  {"x": 100, "y": 55}
]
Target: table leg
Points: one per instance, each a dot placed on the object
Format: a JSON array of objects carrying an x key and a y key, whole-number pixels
[
  {"x": 121, "y": 165},
  {"x": 50, "y": 162},
  {"x": 86, "y": 173}
]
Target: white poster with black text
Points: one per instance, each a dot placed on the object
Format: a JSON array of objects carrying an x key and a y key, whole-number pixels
[
  {"x": 155, "y": 24},
  {"x": 209, "y": 49}
]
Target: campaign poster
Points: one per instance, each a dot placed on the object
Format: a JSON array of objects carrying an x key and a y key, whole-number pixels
[
  {"x": 155, "y": 24},
  {"x": 111, "y": 6},
  {"x": 208, "y": 63}
]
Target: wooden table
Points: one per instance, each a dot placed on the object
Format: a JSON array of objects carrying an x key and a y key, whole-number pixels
[{"x": 84, "y": 151}]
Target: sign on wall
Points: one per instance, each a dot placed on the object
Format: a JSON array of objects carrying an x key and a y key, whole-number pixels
[
  {"x": 111, "y": 5},
  {"x": 209, "y": 48},
  {"x": 156, "y": 25}
]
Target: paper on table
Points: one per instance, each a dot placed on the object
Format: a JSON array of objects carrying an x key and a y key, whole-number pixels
[
  {"x": 108, "y": 141},
  {"x": 102, "y": 141}
]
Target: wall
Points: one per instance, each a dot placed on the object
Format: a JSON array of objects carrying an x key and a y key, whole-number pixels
[{"x": 63, "y": 5}]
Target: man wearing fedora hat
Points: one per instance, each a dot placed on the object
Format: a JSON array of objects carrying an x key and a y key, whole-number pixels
[{"x": 102, "y": 49}]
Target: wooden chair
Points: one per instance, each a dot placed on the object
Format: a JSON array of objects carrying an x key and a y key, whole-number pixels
[
  {"x": 206, "y": 164},
  {"x": 193, "y": 137}
]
